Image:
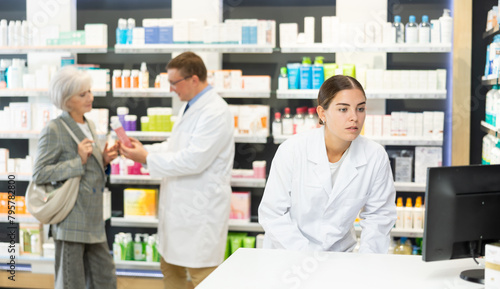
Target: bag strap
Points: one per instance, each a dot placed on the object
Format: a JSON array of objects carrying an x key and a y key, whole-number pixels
[{"x": 70, "y": 132}]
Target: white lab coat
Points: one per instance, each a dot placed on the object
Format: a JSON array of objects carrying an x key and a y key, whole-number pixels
[
  {"x": 301, "y": 211},
  {"x": 195, "y": 192}
]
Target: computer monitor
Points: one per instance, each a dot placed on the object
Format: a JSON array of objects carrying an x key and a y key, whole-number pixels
[{"x": 462, "y": 214}]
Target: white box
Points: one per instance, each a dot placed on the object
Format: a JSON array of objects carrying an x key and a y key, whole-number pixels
[
  {"x": 326, "y": 30},
  {"x": 4, "y": 158},
  {"x": 438, "y": 125},
  {"x": 181, "y": 31},
  {"x": 335, "y": 30},
  {"x": 288, "y": 33},
  {"x": 405, "y": 79},
  {"x": 397, "y": 82},
  {"x": 138, "y": 36},
  {"x": 411, "y": 124},
  {"x": 413, "y": 80},
  {"x": 42, "y": 113},
  {"x": 368, "y": 127},
  {"x": 309, "y": 30},
  {"x": 441, "y": 79},
  {"x": 428, "y": 124},
  {"x": 236, "y": 79},
  {"x": 403, "y": 123},
  {"x": 100, "y": 79},
  {"x": 432, "y": 81},
  {"x": 96, "y": 34},
  {"x": 377, "y": 125},
  {"x": 423, "y": 80},
  {"x": 492, "y": 265},
  {"x": 389, "y": 33},
  {"x": 419, "y": 124},
  {"x": 426, "y": 157},
  {"x": 256, "y": 82},
  {"x": 386, "y": 125},
  {"x": 387, "y": 84},
  {"x": 196, "y": 30},
  {"x": 403, "y": 169},
  {"x": 395, "y": 123},
  {"x": 20, "y": 113}
]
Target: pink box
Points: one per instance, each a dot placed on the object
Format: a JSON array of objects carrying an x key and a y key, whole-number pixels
[{"x": 240, "y": 206}]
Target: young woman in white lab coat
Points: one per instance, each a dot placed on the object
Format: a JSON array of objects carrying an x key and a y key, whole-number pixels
[{"x": 321, "y": 179}]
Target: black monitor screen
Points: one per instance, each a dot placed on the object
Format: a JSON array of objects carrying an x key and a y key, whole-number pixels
[{"x": 462, "y": 211}]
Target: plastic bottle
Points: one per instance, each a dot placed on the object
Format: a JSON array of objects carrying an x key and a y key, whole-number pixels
[
  {"x": 25, "y": 34},
  {"x": 306, "y": 73},
  {"x": 435, "y": 31},
  {"x": 117, "y": 248},
  {"x": 121, "y": 111},
  {"x": 418, "y": 215},
  {"x": 126, "y": 78},
  {"x": 11, "y": 33},
  {"x": 293, "y": 75},
  {"x": 311, "y": 121},
  {"x": 135, "y": 78},
  {"x": 298, "y": 121},
  {"x": 489, "y": 104},
  {"x": 446, "y": 22},
  {"x": 287, "y": 122},
  {"x": 139, "y": 249},
  {"x": 130, "y": 28},
  {"x": 129, "y": 247},
  {"x": 424, "y": 30},
  {"x": 408, "y": 213},
  {"x": 120, "y": 133},
  {"x": 400, "y": 213},
  {"x": 18, "y": 33},
  {"x": 412, "y": 30},
  {"x": 318, "y": 73},
  {"x": 144, "y": 76},
  {"x": 283, "y": 79},
  {"x": 4, "y": 35},
  {"x": 496, "y": 107},
  {"x": 403, "y": 247},
  {"x": 400, "y": 29},
  {"x": 117, "y": 79},
  {"x": 277, "y": 125},
  {"x": 121, "y": 31}
]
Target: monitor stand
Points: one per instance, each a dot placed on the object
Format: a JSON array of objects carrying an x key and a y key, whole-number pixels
[{"x": 475, "y": 275}]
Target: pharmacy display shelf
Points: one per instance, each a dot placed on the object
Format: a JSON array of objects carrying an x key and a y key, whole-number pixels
[
  {"x": 37, "y": 92},
  {"x": 391, "y": 141},
  {"x": 409, "y": 233},
  {"x": 147, "y": 180},
  {"x": 17, "y": 177},
  {"x": 137, "y": 265},
  {"x": 169, "y": 48},
  {"x": 489, "y": 80},
  {"x": 18, "y": 218},
  {"x": 153, "y": 223},
  {"x": 370, "y": 94},
  {"x": 394, "y": 48},
  {"x": 147, "y": 135},
  {"x": 491, "y": 32},
  {"x": 250, "y": 139},
  {"x": 19, "y": 134},
  {"x": 488, "y": 128},
  {"x": 409, "y": 187},
  {"x": 244, "y": 93},
  {"x": 143, "y": 92},
  {"x": 50, "y": 49},
  {"x": 36, "y": 264}
]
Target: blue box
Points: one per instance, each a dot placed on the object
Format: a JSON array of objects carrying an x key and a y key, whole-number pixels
[
  {"x": 151, "y": 35},
  {"x": 166, "y": 35}
]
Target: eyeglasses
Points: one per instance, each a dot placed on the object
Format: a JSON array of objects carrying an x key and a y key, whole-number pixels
[{"x": 177, "y": 81}]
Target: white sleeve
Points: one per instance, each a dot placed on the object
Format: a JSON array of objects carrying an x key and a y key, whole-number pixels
[
  {"x": 379, "y": 214},
  {"x": 157, "y": 147},
  {"x": 274, "y": 209},
  {"x": 213, "y": 134}
]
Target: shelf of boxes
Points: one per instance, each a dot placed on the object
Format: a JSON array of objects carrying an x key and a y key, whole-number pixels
[
  {"x": 409, "y": 233},
  {"x": 148, "y": 180},
  {"x": 37, "y": 92},
  {"x": 393, "y": 141},
  {"x": 399, "y": 48},
  {"x": 489, "y": 129},
  {"x": 489, "y": 80},
  {"x": 19, "y": 134},
  {"x": 244, "y": 93},
  {"x": 409, "y": 187},
  {"x": 143, "y": 92},
  {"x": 250, "y": 139},
  {"x": 18, "y": 177},
  {"x": 51, "y": 49},
  {"x": 153, "y": 223},
  {"x": 137, "y": 265},
  {"x": 169, "y": 48},
  {"x": 162, "y": 136},
  {"x": 370, "y": 94}
]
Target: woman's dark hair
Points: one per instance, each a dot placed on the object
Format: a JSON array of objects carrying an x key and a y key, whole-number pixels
[{"x": 334, "y": 85}]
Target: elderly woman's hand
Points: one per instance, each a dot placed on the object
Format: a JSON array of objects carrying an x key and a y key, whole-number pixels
[
  {"x": 85, "y": 149},
  {"x": 109, "y": 153}
]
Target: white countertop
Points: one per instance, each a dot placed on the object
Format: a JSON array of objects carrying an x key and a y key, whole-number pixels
[{"x": 258, "y": 268}]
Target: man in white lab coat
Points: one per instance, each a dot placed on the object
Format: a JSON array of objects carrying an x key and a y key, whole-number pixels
[{"x": 195, "y": 165}]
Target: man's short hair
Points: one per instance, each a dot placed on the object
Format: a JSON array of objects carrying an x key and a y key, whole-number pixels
[{"x": 189, "y": 64}]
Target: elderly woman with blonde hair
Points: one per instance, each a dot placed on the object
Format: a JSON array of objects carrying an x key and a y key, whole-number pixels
[{"x": 82, "y": 253}]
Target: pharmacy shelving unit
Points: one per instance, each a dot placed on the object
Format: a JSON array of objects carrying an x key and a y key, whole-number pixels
[
  {"x": 53, "y": 49},
  {"x": 158, "y": 92},
  {"x": 18, "y": 177},
  {"x": 170, "y": 48},
  {"x": 399, "y": 48},
  {"x": 162, "y": 136},
  {"x": 244, "y": 93},
  {"x": 37, "y": 93},
  {"x": 147, "y": 180},
  {"x": 392, "y": 141},
  {"x": 370, "y": 94},
  {"x": 489, "y": 80},
  {"x": 489, "y": 129}
]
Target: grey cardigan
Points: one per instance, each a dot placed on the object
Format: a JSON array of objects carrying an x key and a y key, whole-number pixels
[{"x": 58, "y": 160}]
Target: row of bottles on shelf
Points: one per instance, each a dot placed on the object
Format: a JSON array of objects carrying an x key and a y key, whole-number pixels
[
  {"x": 142, "y": 248},
  {"x": 427, "y": 124},
  {"x": 491, "y": 150},
  {"x": 404, "y": 246},
  {"x": 14, "y": 74},
  {"x": 409, "y": 217},
  {"x": 336, "y": 32},
  {"x": 196, "y": 31},
  {"x": 306, "y": 75},
  {"x": 135, "y": 78},
  {"x": 157, "y": 119},
  {"x": 19, "y": 207},
  {"x": 290, "y": 125},
  {"x": 492, "y": 107},
  {"x": 22, "y": 33}
]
